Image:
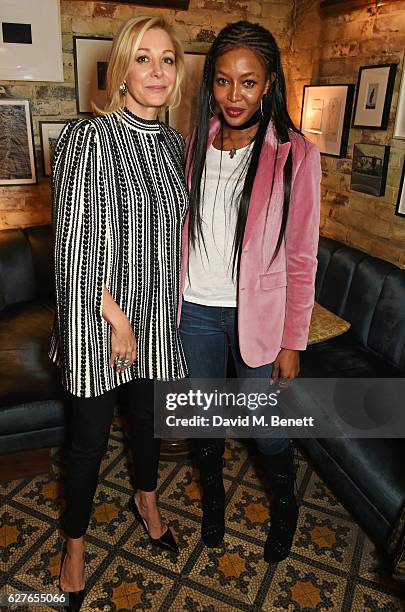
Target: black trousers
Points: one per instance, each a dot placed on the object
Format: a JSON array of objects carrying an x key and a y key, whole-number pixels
[{"x": 91, "y": 423}]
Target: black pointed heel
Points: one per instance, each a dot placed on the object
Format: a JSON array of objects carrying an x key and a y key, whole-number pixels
[
  {"x": 75, "y": 597},
  {"x": 165, "y": 542}
]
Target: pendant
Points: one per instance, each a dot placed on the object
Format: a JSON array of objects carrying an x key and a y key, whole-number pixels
[{"x": 232, "y": 153}]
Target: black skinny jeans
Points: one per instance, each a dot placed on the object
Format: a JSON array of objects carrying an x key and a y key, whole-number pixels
[{"x": 92, "y": 419}]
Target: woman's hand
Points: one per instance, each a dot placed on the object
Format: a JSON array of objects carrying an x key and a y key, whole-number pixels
[
  {"x": 286, "y": 366},
  {"x": 123, "y": 344}
]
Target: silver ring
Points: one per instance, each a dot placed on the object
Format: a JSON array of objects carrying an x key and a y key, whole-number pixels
[{"x": 121, "y": 361}]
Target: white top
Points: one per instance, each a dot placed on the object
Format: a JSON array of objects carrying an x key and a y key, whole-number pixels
[{"x": 210, "y": 281}]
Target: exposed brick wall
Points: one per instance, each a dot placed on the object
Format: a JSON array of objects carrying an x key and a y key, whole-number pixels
[
  {"x": 30, "y": 205},
  {"x": 316, "y": 48},
  {"x": 344, "y": 43}
]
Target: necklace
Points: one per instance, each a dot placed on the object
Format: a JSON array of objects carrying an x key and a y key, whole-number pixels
[
  {"x": 233, "y": 149},
  {"x": 255, "y": 118}
]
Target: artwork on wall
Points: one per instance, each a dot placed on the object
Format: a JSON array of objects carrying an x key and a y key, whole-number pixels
[
  {"x": 91, "y": 57},
  {"x": 17, "y": 159},
  {"x": 325, "y": 117},
  {"x": 184, "y": 117},
  {"x": 30, "y": 40},
  {"x": 399, "y": 130},
  {"x": 400, "y": 209},
  {"x": 369, "y": 168},
  {"x": 373, "y": 96},
  {"x": 49, "y": 132}
]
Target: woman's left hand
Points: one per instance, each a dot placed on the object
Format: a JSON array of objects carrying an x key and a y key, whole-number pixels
[{"x": 286, "y": 366}]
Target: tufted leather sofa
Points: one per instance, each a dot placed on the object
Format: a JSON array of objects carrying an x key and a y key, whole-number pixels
[
  {"x": 31, "y": 398},
  {"x": 367, "y": 475}
]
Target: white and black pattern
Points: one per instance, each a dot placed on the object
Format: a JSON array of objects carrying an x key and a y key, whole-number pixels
[{"x": 119, "y": 202}]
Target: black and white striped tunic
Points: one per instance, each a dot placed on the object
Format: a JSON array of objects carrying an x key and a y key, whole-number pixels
[{"x": 119, "y": 202}]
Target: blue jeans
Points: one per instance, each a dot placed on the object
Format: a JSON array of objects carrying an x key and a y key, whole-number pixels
[{"x": 207, "y": 333}]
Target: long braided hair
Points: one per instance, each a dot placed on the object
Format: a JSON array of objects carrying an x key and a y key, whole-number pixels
[{"x": 274, "y": 106}]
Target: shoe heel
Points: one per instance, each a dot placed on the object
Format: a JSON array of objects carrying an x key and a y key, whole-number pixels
[
  {"x": 165, "y": 542},
  {"x": 134, "y": 509},
  {"x": 75, "y": 598}
]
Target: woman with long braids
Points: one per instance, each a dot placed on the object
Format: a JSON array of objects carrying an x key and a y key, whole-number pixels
[{"x": 249, "y": 252}]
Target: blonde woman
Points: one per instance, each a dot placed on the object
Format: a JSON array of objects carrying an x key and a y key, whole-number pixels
[{"x": 119, "y": 204}]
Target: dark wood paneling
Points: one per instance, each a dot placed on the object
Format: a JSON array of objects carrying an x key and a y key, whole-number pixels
[{"x": 25, "y": 464}]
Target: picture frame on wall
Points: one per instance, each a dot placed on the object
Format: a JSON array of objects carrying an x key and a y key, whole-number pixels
[
  {"x": 91, "y": 55},
  {"x": 49, "y": 132},
  {"x": 17, "y": 154},
  {"x": 183, "y": 118},
  {"x": 400, "y": 208},
  {"x": 375, "y": 86},
  {"x": 31, "y": 41},
  {"x": 369, "y": 168},
  {"x": 325, "y": 117},
  {"x": 399, "y": 129}
]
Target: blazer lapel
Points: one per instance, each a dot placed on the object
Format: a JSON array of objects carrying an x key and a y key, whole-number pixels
[{"x": 262, "y": 184}]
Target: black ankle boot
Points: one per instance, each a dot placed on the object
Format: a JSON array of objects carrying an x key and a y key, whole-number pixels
[
  {"x": 209, "y": 460},
  {"x": 280, "y": 473}
]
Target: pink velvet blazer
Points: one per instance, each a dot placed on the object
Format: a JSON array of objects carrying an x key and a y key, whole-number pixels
[{"x": 275, "y": 304}]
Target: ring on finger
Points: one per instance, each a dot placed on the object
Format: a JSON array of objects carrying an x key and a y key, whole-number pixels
[{"x": 121, "y": 362}]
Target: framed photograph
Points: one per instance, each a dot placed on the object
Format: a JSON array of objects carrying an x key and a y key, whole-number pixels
[
  {"x": 400, "y": 209},
  {"x": 373, "y": 96},
  {"x": 30, "y": 40},
  {"x": 399, "y": 130},
  {"x": 17, "y": 157},
  {"x": 369, "y": 168},
  {"x": 91, "y": 57},
  {"x": 325, "y": 117},
  {"x": 184, "y": 117},
  {"x": 49, "y": 132}
]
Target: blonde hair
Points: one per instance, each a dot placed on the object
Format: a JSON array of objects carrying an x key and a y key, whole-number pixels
[{"x": 125, "y": 45}]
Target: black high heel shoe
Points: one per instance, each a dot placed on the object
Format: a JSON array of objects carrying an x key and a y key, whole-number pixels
[
  {"x": 165, "y": 542},
  {"x": 75, "y": 597}
]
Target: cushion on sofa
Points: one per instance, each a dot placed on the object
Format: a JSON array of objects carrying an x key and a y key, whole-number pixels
[
  {"x": 364, "y": 293},
  {"x": 376, "y": 466},
  {"x": 338, "y": 278},
  {"x": 367, "y": 514},
  {"x": 41, "y": 242},
  {"x": 326, "y": 248},
  {"x": 344, "y": 357},
  {"x": 17, "y": 277},
  {"x": 26, "y": 373},
  {"x": 387, "y": 330}
]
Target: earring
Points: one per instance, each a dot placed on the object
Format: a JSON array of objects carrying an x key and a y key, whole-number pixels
[
  {"x": 261, "y": 107},
  {"x": 123, "y": 89},
  {"x": 210, "y": 105}
]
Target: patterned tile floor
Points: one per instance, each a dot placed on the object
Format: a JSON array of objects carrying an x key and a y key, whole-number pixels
[{"x": 333, "y": 565}]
